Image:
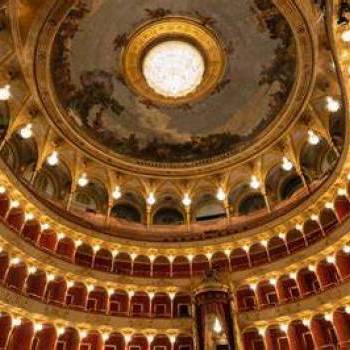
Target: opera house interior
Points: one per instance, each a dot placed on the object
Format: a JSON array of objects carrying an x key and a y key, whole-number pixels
[{"x": 135, "y": 214}]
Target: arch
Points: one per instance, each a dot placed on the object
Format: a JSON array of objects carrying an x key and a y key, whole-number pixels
[
  {"x": 126, "y": 211},
  {"x": 246, "y": 299},
  {"x": 161, "y": 267},
  {"x": 66, "y": 248},
  {"x": 342, "y": 207},
  {"x": 70, "y": 339},
  {"x": 341, "y": 322},
  {"x": 76, "y": 296},
  {"x": 220, "y": 262},
  {"x": 252, "y": 340},
  {"x": 16, "y": 276},
  {"x": 168, "y": 216},
  {"x": 36, "y": 284},
  {"x": 97, "y": 300},
  {"x": 48, "y": 240},
  {"x": 182, "y": 305},
  {"x": 84, "y": 255},
  {"x": 46, "y": 338},
  {"x": 307, "y": 282},
  {"x": 200, "y": 265},
  {"x": 140, "y": 305},
  {"x": 287, "y": 290},
  {"x": 327, "y": 274},
  {"x": 295, "y": 240},
  {"x": 312, "y": 231},
  {"x": 56, "y": 291},
  {"x": 122, "y": 264},
  {"x": 6, "y": 328},
  {"x": 266, "y": 294},
  {"x": 239, "y": 259},
  {"x": 258, "y": 254},
  {"x": 119, "y": 303},
  {"x": 343, "y": 264},
  {"x": 323, "y": 332},
  {"x": 31, "y": 230},
  {"x": 142, "y": 266},
  {"x": 207, "y": 207},
  {"x": 277, "y": 248},
  {"x": 251, "y": 203},
  {"x": 21, "y": 336},
  {"x": 161, "y": 306},
  {"x": 180, "y": 267},
  {"x": 103, "y": 260},
  {"x": 276, "y": 338},
  {"x": 300, "y": 336},
  {"x": 328, "y": 220}
]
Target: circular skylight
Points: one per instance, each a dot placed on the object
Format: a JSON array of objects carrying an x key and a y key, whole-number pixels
[{"x": 173, "y": 68}]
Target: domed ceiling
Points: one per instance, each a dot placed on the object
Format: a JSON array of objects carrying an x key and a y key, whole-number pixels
[{"x": 259, "y": 69}]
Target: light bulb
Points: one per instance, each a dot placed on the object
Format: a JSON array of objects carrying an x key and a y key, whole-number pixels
[
  {"x": 2, "y": 190},
  {"x": 293, "y": 275},
  {"x": 332, "y": 104},
  {"x": 14, "y": 204},
  {"x": 38, "y": 327},
  {"x": 83, "y": 180},
  {"x": 328, "y": 317},
  {"x": 273, "y": 281},
  {"x": 186, "y": 201},
  {"x": 78, "y": 242},
  {"x": 26, "y": 132},
  {"x": 287, "y": 165},
  {"x": 347, "y": 309},
  {"x": 345, "y": 36},
  {"x": 105, "y": 336},
  {"x": 254, "y": 182},
  {"x": 151, "y": 199},
  {"x": 90, "y": 288},
  {"x": 53, "y": 159},
  {"x": 312, "y": 268},
  {"x": 60, "y": 236},
  {"x": 284, "y": 327},
  {"x": 346, "y": 249},
  {"x": 221, "y": 195},
  {"x": 329, "y": 205},
  {"x": 5, "y": 93},
  {"x": 16, "y": 322},
  {"x": 61, "y": 331},
  {"x": 32, "y": 270},
  {"x": 117, "y": 193},
  {"x": 15, "y": 261},
  {"x": 28, "y": 216},
  {"x": 82, "y": 334},
  {"x": 217, "y": 328},
  {"x": 330, "y": 259},
  {"x": 313, "y": 138},
  {"x": 253, "y": 286},
  {"x": 150, "y": 338},
  {"x": 44, "y": 227},
  {"x": 282, "y": 236},
  {"x": 50, "y": 277}
]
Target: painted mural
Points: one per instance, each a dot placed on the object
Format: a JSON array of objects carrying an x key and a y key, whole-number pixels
[{"x": 87, "y": 74}]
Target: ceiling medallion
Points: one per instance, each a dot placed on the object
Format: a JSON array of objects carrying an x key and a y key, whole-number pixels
[{"x": 173, "y": 61}]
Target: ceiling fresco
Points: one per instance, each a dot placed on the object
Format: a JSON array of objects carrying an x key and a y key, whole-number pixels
[{"x": 89, "y": 83}]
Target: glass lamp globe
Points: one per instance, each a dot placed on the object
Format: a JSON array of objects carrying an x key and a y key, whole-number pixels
[{"x": 173, "y": 68}]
